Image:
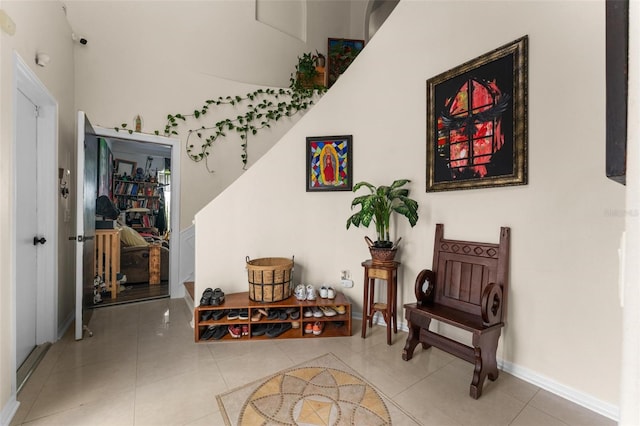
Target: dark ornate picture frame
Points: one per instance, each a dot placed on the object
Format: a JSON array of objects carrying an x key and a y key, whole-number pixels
[
  {"x": 329, "y": 163},
  {"x": 477, "y": 122}
]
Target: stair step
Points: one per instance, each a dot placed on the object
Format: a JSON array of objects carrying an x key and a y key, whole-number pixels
[{"x": 190, "y": 287}]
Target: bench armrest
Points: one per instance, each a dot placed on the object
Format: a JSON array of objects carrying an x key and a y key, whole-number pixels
[
  {"x": 425, "y": 284},
  {"x": 492, "y": 304}
]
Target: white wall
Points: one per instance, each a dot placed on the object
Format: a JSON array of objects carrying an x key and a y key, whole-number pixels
[
  {"x": 157, "y": 58},
  {"x": 564, "y": 321},
  {"x": 40, "y": 26}
]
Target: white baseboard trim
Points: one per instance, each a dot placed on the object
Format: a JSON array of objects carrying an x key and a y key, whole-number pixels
[
  {"x": 585, "y": 400},
  {"x": 62, "y": 328},
  {"x": 9, "y": 410}
]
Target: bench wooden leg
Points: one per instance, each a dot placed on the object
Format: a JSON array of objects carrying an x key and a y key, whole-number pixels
[
  {"x": 485, "y": 346},
  {"x": 414, "y": 337}
]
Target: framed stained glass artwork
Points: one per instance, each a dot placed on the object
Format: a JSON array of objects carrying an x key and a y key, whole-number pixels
[
  {"x": 329, "y": 163},
  {"x": 477, "y": 122}
]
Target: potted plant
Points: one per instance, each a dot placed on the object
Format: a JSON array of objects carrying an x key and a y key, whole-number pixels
[
  {"x": 306, "y": 72},
  {"x": 378, "y": 207}
]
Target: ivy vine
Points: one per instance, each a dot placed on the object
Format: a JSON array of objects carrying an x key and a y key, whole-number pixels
[{"x": 263, "y": 108}]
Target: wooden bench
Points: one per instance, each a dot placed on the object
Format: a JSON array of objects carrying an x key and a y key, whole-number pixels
[{"x": 466, "y": 288}]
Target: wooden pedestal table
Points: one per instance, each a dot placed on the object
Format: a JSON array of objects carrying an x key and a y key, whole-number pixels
[{"x": 388, "y": 272}]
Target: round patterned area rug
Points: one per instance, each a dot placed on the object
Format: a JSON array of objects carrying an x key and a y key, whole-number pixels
[{"x": 314, "y": 396}]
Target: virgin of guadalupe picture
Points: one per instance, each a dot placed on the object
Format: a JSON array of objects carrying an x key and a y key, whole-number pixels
[{"x": 329, "y": 163}]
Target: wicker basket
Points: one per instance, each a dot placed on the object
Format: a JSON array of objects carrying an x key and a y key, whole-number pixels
[{"x": 269, "y": 278}]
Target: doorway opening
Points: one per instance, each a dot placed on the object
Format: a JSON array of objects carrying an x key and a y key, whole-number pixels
[{"x": 143, "y": 184}]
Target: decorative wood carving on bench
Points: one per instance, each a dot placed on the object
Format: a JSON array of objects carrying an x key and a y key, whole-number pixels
[{"x": 467, "y": 288}]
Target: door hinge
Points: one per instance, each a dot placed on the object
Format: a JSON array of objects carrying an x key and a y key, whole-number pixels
[{"x": 37, "y": 111}]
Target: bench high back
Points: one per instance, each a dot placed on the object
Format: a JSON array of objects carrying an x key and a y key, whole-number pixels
[{"x": 464, "y": 268}]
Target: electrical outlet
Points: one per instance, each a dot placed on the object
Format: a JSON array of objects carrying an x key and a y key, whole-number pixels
[{"x": 347, "y": 283}]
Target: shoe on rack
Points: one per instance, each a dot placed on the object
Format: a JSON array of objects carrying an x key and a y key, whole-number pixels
[
  {"x": 301, "y": 292},
  {"x": 207, "y": 294},
  {"x": 317, "y": 313},
  {"x": 323, "y": 292},
  {"x": 328, "y": 311},
  {"x": 259, "y": 330},
  {"x": 274, "y": 314},
  {"x": 245, "y": 330},
  {"x": 308, "y": 328},
  {"x": 218, "y": 314},
  {"x": 331, "y": 293},
  {"x": 217, "y": 297},
  {"x": 206, "y": 315},
  {"x": 278, "y": 329},
  {"x": 308, "y": 313},
  {"x": 243, "y": 314},
  {"x": 209, "y": 332},
  {"x": 235, "y": 331},
  {"x": 317, "y": 328},
  {"x": 233, "y": 314},
  {"x": 295, "y": 314},
  {"x": 256, "y": 316},
  {"x": 220, "y": 332},
  {"x": 311, "y": 292},
  {"x": 295, "y": 324},
  {"x": 340, "y": 309}
]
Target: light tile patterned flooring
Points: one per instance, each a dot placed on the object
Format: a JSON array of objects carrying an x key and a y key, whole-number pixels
[{"x": 142, "y": 367}]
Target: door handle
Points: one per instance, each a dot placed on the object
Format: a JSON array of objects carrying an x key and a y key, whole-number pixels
[{"x": 37, "y": 241}]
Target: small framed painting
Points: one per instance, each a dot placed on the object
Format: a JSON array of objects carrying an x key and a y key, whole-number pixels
[
  {"x": 342, "y": 52},
  {"x": 329, "y": 163},
  {"x": 477, "y": 122},
  {"x": 125, "y": 168}
]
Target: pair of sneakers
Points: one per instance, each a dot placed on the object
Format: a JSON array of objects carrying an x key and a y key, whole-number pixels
[
  {"x": 327, "y": 292},
  {"x": 305, "y": 293},
  {"x": 316, "y": 328}
]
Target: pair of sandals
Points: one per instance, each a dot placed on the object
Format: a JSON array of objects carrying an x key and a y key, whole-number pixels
[
  {"x": 215, "y": 315},
  {"x": 212, "y": 297},
  {"x": 270, "y": 330}
]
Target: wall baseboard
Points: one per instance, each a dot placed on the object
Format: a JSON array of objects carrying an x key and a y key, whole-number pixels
[
  {"x": 587, "y": 401},
  {"x": 9, "y": 410}
]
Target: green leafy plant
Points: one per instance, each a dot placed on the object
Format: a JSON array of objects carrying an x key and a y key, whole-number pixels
[
  {"x": 251, "y": 113},
  {"x": 378, "y": 207},
  {"x": 306, "y": 72}
]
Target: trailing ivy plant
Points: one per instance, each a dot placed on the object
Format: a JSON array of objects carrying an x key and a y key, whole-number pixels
[{"x": 263, "y": 107}]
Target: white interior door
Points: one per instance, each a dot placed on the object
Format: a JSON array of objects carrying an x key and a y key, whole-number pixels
[
  {"x": 26, "y": 228},
  {"x": 87, "y": 192}
]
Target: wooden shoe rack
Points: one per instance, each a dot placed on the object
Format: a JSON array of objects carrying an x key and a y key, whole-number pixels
[{"x": 338, "y": 325}]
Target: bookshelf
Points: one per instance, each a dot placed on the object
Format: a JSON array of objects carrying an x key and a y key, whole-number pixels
[{"x": 140, "y": 201}]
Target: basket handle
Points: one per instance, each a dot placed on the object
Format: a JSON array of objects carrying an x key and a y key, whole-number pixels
[{"x": 369, "y": 242}]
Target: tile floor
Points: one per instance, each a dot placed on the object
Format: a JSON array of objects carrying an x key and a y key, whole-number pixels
[{"x": 142, "y": 367}]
